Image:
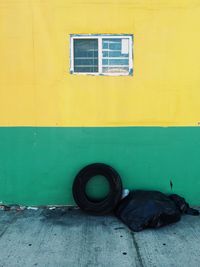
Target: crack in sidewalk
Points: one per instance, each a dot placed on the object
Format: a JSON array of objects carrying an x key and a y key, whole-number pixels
[{"x": 137, "y": 250}]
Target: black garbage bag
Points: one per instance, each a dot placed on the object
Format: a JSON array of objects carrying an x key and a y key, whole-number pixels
[
  {"x": 183, "y": 206},
  {"x": 150, "y": 209}
]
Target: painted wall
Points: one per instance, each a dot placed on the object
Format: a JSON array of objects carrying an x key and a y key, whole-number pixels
[{"x": 37, "y": 164}]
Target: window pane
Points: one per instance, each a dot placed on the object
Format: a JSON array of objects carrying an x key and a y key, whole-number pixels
[
  {"x": 112, "y": 62},
  {"x": 86, "y": 69},
  {"x": 115, "y": 55},
  {"x": 86, "y": 62},
  {"x": 85, "y": 55}
]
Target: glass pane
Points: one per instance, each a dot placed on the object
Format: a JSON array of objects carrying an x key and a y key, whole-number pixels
[
  {"x": 118, "y": 61},
  {"x": 85, "y": 55},
  {"x": 86, "y": 69},
  {"x": 86, "y": 62},
  {"x": 115, "y": 55}
]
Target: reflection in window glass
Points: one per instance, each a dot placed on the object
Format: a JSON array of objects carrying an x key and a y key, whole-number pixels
[{"x": 85, "y": 55}]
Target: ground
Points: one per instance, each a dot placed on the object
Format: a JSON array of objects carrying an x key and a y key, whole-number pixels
[{"x": 66, "y": 237}]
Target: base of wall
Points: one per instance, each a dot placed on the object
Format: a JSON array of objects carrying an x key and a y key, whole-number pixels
[{"x": 38, "y": 164}]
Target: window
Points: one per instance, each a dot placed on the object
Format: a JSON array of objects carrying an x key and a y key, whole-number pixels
[{"x": 102, "y": 54}]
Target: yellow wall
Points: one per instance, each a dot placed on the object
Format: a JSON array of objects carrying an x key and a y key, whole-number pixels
[{"x": 37, "y": 89}]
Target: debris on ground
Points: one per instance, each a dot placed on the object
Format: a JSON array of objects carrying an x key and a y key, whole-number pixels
[
  {"x": 4, "y": 207},
  {"x": 183, "y": 206},
  {"x": 151, "y": 209},
  {"x": 15, "y": 207},
  {"x": 125, "y": 193},
  {"x": 32, "y": 208}
]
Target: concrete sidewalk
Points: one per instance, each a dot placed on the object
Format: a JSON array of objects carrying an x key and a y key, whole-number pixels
[{"x": 69, "y": 238}]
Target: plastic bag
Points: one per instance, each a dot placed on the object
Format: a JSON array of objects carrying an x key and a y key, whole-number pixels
[
  {"x": 183, "y": 206},
  {"x": 150, "y": 209}
]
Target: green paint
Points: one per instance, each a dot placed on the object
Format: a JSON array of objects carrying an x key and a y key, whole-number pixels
[
  {"x": 97, "y": 187},
  {"x": 38, "y": 165}
]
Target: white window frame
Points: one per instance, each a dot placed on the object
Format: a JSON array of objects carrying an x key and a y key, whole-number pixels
[{"x": 99, "y": 37}]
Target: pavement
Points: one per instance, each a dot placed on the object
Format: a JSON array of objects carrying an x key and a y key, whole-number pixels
[{"x": 66, "y": 237}]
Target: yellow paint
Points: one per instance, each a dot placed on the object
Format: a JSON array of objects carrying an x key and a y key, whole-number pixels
[{"x": 36, "y": 88}]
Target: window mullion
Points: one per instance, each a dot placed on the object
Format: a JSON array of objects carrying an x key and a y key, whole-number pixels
[
  {"x": 130, "y": 55},
  {"x": 72, "y": 55},
  {"x": 100, "y": 54}
]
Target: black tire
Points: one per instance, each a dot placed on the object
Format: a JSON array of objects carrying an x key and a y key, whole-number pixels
[{"x": 105, "y": 205}]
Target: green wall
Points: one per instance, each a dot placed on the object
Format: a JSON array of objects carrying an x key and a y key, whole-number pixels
[{"x": 38, "y": 165}]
